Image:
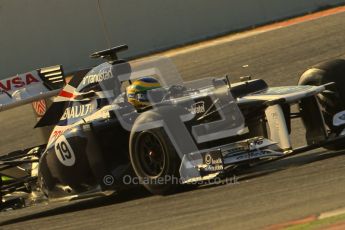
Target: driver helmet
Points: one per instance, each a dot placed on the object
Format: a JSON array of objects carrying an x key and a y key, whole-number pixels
[{"x": 137, "y": 91}]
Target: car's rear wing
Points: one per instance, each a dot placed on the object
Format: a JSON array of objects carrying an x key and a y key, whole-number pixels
[{"x": 31, "y": 87}]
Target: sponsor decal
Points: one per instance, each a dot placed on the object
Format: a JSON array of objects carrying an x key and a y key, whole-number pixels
[
  {"x": 64, "y": 151},
  {"x": 40, "y": 107},
  {"x": 56, "y": 133},
  {"x": 213, "y": 161},
  {"x": 77, "y": 111},
  {"x": 197, "y": 108},
  {"x": 209, "y": 159},
  {"x": 99, "y": 77},
  {"x": 17, "y": 82}
]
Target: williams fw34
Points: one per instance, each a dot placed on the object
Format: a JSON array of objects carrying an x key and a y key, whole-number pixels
[{"x": 140, "y": 120}]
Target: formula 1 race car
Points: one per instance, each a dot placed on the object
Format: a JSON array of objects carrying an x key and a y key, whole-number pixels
[{"x": 186, "y": 132}]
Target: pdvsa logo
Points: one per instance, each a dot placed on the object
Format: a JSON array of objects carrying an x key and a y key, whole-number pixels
[{"x": 17, "y": 82}]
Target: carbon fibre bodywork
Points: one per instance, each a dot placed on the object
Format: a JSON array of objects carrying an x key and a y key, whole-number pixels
[{"x": 213, "y": 126}]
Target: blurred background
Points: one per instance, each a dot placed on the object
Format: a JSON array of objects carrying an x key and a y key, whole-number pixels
[{"x": 38, "y": 33}]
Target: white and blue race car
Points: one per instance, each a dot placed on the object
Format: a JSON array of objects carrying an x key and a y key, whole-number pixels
[{"x": 188, "y": 132}]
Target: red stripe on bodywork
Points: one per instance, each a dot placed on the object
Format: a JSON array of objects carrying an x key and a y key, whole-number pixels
[{"x": 66, "y": 94}]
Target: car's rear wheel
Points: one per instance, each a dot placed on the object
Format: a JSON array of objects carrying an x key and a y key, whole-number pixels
[
  {"x": 331, "y": 100},
  {"x": 155, "y": 161}
]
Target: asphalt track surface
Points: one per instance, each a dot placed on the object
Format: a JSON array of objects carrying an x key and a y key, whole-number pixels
[{"x": 289, "y": 189}]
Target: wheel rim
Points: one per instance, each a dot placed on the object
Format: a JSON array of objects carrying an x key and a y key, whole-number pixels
[{"x": 151, "y": 154}]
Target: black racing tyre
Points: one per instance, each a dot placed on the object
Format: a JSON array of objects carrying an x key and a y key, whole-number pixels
[
  {"x": 331, "y": 100},
  {"x": 155, "y": 161}
]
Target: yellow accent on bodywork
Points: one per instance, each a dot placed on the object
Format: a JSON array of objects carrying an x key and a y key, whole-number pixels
[{"x": 6, "y": 178}]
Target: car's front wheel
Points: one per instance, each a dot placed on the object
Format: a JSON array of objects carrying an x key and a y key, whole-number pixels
[
  {"x": 155, "y": 161},
  {"x": 332, "y": 100}
]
